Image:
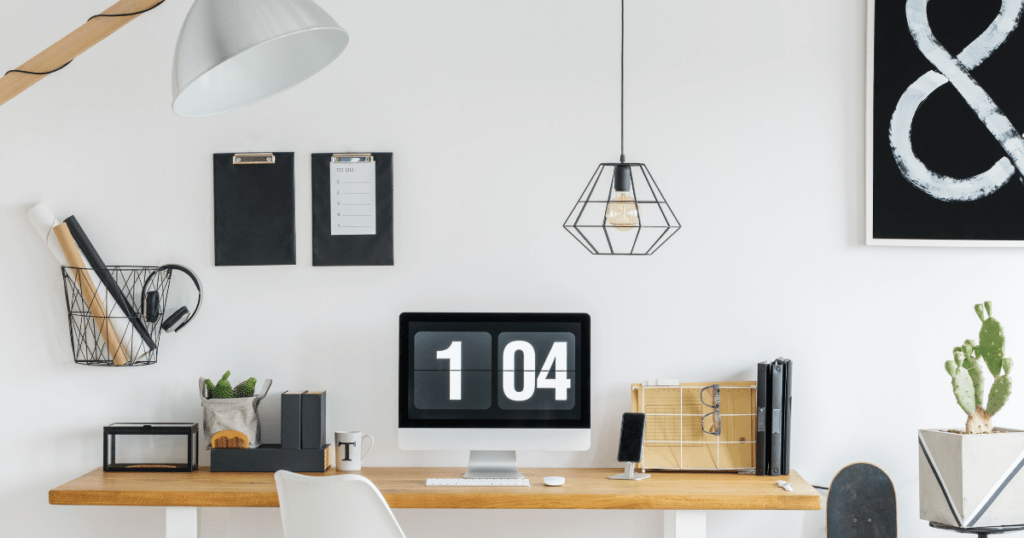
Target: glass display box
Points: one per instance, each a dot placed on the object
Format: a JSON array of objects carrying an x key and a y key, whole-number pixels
[{"x": 151, "y": 447}]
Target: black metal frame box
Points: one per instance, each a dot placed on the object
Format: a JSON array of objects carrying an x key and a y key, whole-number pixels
[{"x": 190, "y": 430}]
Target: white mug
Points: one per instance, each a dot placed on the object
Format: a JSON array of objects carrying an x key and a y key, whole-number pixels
[{"x": 348, "y": 450}]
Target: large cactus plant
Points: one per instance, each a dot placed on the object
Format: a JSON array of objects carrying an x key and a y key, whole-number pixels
[{"x": 969, "y": 376}]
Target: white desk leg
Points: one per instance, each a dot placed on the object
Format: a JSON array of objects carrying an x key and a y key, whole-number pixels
[
  {"x": 182, "y": 522},
  {"x": 685, "y": 524}
]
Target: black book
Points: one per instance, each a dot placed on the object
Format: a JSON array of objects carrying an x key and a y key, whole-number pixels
[
  {"x": 763, "y": 388},
  {"x": 787, "y": 412},
  {"x": 775, "y": 419},
  {"x": 314, "y": 419},
  {"x": 291, "y": 420},
  {"x": 108, "y": 280},
  {"x": 269, "y": 459}
]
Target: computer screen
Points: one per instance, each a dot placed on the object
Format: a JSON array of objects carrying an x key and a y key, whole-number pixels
[{"x": 494, "y": 371}]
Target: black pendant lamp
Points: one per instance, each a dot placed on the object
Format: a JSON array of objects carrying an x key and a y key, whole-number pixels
[{"x": 622, "y": 211}]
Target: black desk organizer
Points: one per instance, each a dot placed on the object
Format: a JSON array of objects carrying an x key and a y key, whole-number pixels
[
  {"x": 305, "y": 414},
  {"x": 188, "y": 430},
  {"x": 270, "y": 458}
]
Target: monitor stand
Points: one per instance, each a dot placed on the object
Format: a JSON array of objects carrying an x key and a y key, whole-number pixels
[
  {"x": 492, "y": 464},
  {"x": 629, "y": 474}
]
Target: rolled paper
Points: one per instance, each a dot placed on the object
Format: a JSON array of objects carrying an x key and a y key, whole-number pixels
[
  {"x": 43, "y": 222},
  {"x": 96, "y": 307}
]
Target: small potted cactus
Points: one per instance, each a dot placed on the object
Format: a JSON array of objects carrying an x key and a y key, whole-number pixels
[
  {"x": 232, "y": 409},
  {"x": 973, "y": 477}
]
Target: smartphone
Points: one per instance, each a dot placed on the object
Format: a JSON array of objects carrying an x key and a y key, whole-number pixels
[{"x": 631, "y": 437}]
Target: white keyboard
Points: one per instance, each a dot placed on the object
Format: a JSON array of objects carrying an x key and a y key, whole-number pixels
[{"x": 478, "y": 481}]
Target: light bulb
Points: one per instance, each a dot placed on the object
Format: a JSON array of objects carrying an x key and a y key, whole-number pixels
[{"x": 623, "y": 212}]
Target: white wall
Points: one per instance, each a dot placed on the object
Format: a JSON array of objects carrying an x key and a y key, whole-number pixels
[{"x": 748, "y": 112}]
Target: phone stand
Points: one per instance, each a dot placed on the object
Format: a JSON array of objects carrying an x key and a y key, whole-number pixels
[{"x": 629, "y": 474}]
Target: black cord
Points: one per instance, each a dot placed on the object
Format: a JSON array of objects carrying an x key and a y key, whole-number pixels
[
  {"x": 622, "y": 87},
  {"x": 820, "y": 487},
  {"x": 35, "y": 73},
  {"x": 126, "y": 14},
  {"x": 89, "y": 19}
]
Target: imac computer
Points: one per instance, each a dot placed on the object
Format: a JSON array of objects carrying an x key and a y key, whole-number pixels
[{"x": 493, "y": 384}]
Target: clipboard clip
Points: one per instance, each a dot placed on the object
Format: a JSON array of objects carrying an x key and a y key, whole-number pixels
[
  {"x": 253, "y": 158},
  {"x": 352, "y": 158}
]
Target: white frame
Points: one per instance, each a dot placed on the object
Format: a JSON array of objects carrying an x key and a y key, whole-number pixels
[{"x": 869, "y": 99}]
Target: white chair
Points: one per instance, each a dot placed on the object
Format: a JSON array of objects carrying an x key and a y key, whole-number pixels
[{"x": 340, "y": 506}]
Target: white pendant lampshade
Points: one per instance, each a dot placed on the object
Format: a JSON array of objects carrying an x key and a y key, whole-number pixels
[{"x": 232, "y": 53}]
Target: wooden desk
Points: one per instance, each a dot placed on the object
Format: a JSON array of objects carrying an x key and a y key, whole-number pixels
[{"x": 683, "y": 496}]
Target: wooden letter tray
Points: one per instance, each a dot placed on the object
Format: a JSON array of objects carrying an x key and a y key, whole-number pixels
[{"x": 674, "y": 439}]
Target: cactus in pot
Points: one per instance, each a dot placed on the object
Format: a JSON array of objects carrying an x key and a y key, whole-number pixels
[
  {"x": 969, "y": 375},
  {"x": 223, "y": 388},
  {"x": 246, "y": 388}
]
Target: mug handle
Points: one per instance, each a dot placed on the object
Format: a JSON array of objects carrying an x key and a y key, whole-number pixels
[{"x": 367, "y": 451}]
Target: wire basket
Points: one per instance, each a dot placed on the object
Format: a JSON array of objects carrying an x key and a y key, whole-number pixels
[{"x": 103, "y": 332}]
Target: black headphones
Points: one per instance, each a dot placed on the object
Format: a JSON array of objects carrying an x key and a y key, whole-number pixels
[{"x": 151, "y": 300}]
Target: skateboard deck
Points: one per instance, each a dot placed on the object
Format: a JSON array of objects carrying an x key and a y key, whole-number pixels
[{"x": 861, "y": 504}]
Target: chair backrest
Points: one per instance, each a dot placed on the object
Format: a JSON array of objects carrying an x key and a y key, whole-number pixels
[
  {"x": 339, "y": 506},
  {"x": 861, "y": 504}
]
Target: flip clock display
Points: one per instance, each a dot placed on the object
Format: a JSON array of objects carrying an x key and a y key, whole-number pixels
[{"x": 454, "y": 370}]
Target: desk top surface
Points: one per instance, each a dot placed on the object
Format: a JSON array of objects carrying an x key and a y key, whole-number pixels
[{"x": 404, "y": 487}]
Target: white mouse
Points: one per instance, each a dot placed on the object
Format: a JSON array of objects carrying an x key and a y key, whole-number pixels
[{"x": 554, "y": 480}]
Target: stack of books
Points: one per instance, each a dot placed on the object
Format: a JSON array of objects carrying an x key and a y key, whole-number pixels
[
  {"x": 303, "y": 449},
  {"x": 774, "y": 409}
]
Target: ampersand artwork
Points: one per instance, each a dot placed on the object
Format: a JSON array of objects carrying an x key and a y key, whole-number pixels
[
  {"x": 948, "y": 87},
  {"x": 957, "y": 71}
]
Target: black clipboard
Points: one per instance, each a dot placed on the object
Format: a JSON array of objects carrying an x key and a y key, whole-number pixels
[
  {"x": 254, "y": 208},
  {"x": 375, "y": 249}
]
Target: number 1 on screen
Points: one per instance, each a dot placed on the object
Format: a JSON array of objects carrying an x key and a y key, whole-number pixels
[{"x": 454, "y": 356}]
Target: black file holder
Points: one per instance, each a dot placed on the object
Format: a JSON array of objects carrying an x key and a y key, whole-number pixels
[
  {"x": 254, "y": 208},
  {"x": 376, "y": 249}
]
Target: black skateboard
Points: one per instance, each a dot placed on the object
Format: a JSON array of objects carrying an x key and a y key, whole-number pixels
[{"x": 861, "y": 504}]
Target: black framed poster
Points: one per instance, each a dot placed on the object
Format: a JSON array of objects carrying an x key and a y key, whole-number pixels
[{"x": 945, "y": 109}]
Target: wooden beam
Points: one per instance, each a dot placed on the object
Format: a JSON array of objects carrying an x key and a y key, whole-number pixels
[{"x": 70, "y": 46}]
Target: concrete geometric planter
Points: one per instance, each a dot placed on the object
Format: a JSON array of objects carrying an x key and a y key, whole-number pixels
[{"x": 972, "y": 480}]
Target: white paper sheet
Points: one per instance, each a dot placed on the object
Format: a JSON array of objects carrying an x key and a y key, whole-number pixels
[{"x": 353, "y": 199}]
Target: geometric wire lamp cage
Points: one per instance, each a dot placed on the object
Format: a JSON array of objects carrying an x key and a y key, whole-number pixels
[{"x": 622, "y": 212}]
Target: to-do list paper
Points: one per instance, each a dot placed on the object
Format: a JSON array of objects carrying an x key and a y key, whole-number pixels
[{"x": 353, "y": 198}]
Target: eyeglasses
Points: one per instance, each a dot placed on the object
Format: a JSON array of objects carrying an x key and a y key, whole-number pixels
[{"x": 715, "y": 426}]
